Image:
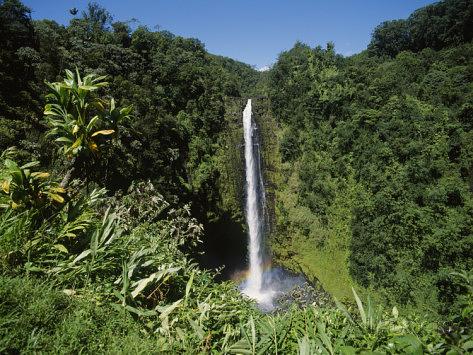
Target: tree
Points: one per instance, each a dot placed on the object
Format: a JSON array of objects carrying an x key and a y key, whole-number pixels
[
  {"x": 17, "y": 58},
  {"x": 97, "y": 19},
  {"x": 390, "y": 38},
  {"x": 79, "y": 121}
]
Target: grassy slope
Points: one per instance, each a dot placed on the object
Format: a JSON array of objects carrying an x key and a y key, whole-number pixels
[
  {"x": 316, "y": 250},
  {"x": 34, "y": 316},
  {"x": 320, "y": 252}
]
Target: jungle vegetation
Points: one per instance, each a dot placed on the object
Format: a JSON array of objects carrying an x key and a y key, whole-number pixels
[{"x": 110, "y": 180}]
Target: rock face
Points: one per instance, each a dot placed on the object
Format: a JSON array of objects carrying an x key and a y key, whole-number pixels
[
  {"x": 232, "y": 179},
  {"x": 304, "y": 295},
  {"x": 226, "y": 236},
  {"x": 270, "y": 156},
  {"x": 226, "y": 242}
]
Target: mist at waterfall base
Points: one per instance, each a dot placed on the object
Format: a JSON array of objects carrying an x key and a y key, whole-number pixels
[
  {"x": 276, "y": 282},
  {"x": 262, "y": 284}
]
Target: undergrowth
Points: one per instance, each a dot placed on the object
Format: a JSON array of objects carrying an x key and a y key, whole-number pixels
[{"x": 124, "y": 285}]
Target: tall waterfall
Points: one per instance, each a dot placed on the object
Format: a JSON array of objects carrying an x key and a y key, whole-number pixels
[
  {"x": 264, "y": 286},
  {"x": 255, "y": 204}
]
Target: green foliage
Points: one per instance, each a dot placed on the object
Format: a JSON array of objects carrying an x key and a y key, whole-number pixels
[
  {"x": 330, "y": 331},
  {"x": 445, "y": 23},
  {"x": 37, "y": 318},
  {"x": 375, "y": 188},
  {"x": 78, "y": 121},
  {"x": 319, "y": 249},
  {"x": 385, "y": 142},
  {"x": 391, "y": 38},
  {"x": 26, "y": 189},
  {"x": 208, "y": 318},
  {"x": 177, "y": 90}
]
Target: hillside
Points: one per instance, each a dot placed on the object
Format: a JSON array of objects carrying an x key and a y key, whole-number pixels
[{"x": 122, "y": 189}]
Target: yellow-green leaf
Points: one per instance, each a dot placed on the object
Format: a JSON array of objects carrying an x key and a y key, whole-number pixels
[
  {"x": 57, "y": 198},
  {"x": 93, "y": 146},
  {"x": 6, "y": 186},
  {"x": 58, "y": 189},
  {"x": 61, "y": 248},
  {"x": 40, "y": 175},
  {"x": 103, "y": 132},
  {"x": 75, "y": 129},
  {"x": 76, "y": 143}
]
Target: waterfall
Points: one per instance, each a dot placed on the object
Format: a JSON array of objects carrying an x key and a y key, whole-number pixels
[
  {"x": 264, "y": 286},
  {"x": 255, "y": 205}
]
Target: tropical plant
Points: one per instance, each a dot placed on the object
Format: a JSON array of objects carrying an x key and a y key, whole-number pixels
[
  {"x": 98, "y": 258},
  {"x": 63, "y": 233},
  {"x": 460, "y": 332},
  {"x": 27, "y": 189},
  {"x": 79, "y": 121}
]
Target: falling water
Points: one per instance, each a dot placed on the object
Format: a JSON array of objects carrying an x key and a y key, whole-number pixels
[
  {"x": 262, "y": 285},
  {"x": 255, "y": 204}
]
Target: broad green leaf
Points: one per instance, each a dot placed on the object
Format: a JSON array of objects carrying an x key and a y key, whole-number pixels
[
  {"x": 77, "y": 143},
  {"x": 140, "y": 312},
  {"x": 141, "y": 285},
  {"x": 40, "y": 175},
  {"x": 57, "y": 189},
  {"x": 468, "y": 346},
  {"x": 63, "y": 140},
  {"x": 360, "y": 307},
  {"x": 30, "y": 165},
  {"x": 88, "y": 87},
  {"x": 253, "y": 333},
  {"x": 166, "y": 310},
  {"x": 408, "y": 344},
  {"x": 82, "y": 255},
  {"x": 189, "y": 284},
  {"x": 56, "y": 197},
  {"x": 30, "y": 267},
  {"x": 92, "y": 123}
]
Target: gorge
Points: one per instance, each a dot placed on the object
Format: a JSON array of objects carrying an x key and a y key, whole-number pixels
[{"x": 208, "y": 202}]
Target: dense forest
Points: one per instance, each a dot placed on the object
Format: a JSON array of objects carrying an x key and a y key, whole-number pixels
[
  {"x": 380, "y": 147},
  {"x": 114, "y": 181}
]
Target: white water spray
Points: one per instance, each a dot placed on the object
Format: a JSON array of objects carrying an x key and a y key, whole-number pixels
[
  {"x": 262, "y": 286},
  {"x": 254, "y": 210}
]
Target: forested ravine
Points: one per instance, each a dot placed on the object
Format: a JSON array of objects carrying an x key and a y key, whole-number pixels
[{"x": 122, "y": 189}]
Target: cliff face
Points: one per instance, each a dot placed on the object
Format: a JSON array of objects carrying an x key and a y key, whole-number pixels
[
  {"x": 231, "y": 162},
  {"x": 232, "y": 176},
  {"x": 293, "y": 230},
  {"x": 225, "y": 242},
  {"x": 270, "y": 159}
]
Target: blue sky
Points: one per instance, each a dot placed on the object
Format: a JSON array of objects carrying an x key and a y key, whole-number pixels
[{"x": 252, "y": 31}]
